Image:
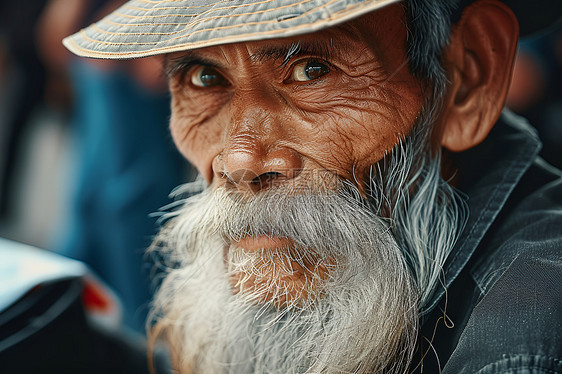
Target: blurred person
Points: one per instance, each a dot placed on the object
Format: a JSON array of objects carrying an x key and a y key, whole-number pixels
[
  {"x": 125, "y": 162},
  {"x": 22, "y": 87}
]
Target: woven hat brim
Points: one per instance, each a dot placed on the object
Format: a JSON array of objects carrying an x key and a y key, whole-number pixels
[{"x": 142, "y": 28}]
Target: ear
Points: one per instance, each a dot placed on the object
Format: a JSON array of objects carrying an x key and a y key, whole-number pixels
[{"x": 478, "y": 60}]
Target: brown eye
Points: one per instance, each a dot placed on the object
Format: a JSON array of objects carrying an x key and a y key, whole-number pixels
[
  {"x": 309, "y": 70},
  {"x": 205, "y": 76}
]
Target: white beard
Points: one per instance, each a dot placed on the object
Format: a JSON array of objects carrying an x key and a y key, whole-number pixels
[{"x": 362, "y": 318}]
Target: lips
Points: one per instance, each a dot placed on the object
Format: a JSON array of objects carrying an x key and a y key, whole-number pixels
[{"x": 251, "y": 243}]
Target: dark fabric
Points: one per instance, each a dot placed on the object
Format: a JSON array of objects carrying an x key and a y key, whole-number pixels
[
  {"x": 502, "y": 309},
  {"x": 47, "y": 332}
]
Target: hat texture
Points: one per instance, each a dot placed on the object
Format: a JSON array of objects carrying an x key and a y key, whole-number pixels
[{"x": 143, "y": 28}]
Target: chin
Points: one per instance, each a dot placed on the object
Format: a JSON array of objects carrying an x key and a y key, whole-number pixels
[{"x": 281, "y": 292}]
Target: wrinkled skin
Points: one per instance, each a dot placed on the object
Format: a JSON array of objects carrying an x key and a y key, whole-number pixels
[
  {"x": 247, "y": 115},
  {"x": 262, "y": 121}
]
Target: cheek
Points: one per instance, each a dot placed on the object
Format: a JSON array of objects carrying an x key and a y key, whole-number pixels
[
  {"x": 351, "y": 131},
  {"x": 197, "y": 138}
]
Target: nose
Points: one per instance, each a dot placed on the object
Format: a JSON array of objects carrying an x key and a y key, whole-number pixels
[
  {"x": 249, "y": 165},
  {"x": 255, "y": 154}
]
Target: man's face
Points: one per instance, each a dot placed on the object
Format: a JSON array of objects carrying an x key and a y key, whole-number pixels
[
  {"x": 266, "y": 111},
  {"x": 286, "y": 262}
]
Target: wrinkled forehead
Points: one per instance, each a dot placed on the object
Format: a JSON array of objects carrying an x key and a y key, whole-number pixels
[
  {"x": 378, "y": 37},
  {"x": 143, "y": 28}
]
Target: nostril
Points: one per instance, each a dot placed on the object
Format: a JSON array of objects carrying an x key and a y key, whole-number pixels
[
  {"x": 267, "y": 179},
  {"x": 257, "y": 168},
  {"x": 241, "y": 176}
]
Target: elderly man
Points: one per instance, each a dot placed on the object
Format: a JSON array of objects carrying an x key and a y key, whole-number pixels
[{"x": 364, "y": 206}]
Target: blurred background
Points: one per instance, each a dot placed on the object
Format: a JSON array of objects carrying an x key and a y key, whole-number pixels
[{"x": 85, "y": 153}]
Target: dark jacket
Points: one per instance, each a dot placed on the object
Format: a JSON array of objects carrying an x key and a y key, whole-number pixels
[{"x": 501, "y": 308}]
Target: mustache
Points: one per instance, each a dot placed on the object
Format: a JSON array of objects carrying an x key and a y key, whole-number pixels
[
  {"x": 314, "y": 213},
  {"x": 368, "y": 293}
]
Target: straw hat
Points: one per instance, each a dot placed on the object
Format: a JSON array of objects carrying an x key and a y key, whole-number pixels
[{"x": 143, "y": 28}]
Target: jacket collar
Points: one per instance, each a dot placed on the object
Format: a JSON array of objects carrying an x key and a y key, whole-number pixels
[{"x": 488, "y": 174}]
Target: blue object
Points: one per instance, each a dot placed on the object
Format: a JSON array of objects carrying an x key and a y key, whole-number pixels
[{"x": 126, "y": 166}]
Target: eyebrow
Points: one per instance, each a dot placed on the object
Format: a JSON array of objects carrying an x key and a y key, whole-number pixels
[
  {"x": 287, "y": 52},
  {"x": 262, "y": 55},
  {"x": 175, "y": 65}
]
